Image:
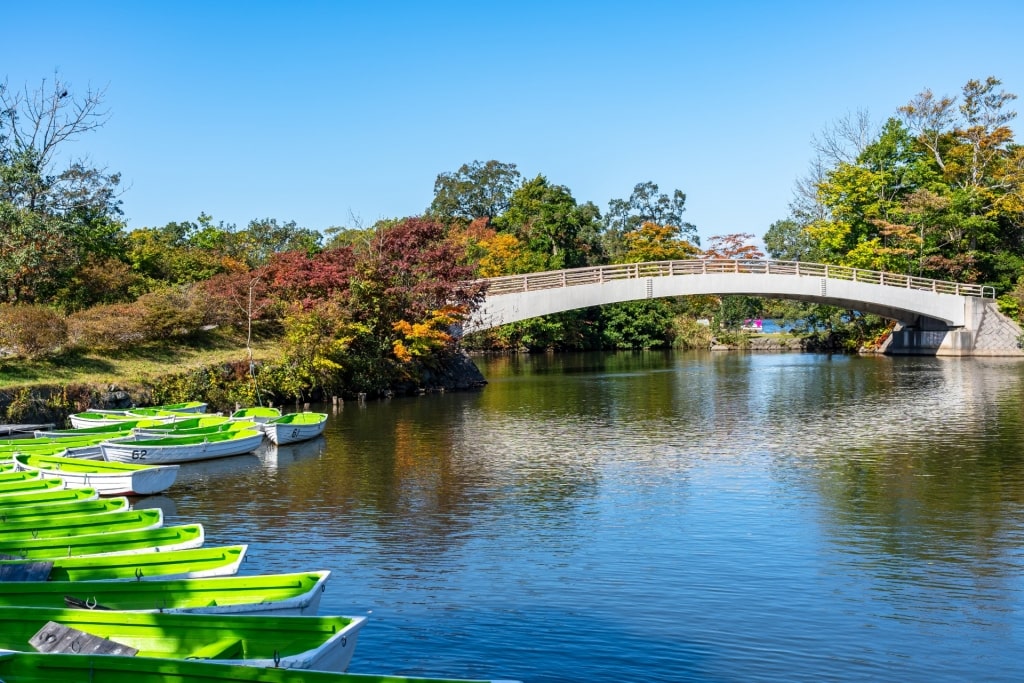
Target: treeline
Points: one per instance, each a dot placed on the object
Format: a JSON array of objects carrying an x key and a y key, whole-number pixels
[{"x": 935, "y": 191}]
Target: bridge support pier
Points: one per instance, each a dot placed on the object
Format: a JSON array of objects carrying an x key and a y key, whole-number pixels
[{"x": 987, "y": 332}]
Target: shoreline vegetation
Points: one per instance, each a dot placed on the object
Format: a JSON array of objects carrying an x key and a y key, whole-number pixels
[
  {"x": 273, "y": 311},
  {"x": 216, "y": 370}
]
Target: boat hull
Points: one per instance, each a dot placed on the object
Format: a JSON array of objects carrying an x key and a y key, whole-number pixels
[
  {"x": 52, "y": 495},
  {"x": 62, "y": 510},
  {"x": 192, "y": 563},
  {"x": 148, "y": 452},
  {"x": 117, "y": 543},
  {"x": 323, "y": 643},
  {"x": 282, "y": 432},
  {"x": 81, "y": 525},
  {"x": 108, "y": 479},
  {"x": 296, "y": 594},
  {"x": 71, "y": 668}
]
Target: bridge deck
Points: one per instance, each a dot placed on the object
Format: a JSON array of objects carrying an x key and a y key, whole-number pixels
[{"x": 528, "y": 282}]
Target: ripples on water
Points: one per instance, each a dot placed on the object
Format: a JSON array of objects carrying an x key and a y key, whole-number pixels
[{"x": 660, "y": 517}]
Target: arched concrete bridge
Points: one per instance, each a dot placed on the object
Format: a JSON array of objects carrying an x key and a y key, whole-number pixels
[{"x": 934, "y": 317}]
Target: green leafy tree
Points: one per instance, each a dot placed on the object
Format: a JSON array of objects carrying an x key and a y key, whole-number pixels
[
  {"x": 476, "y": 190},
  {"x": 971, "y": 146},
  {"x": 184, "y": 252},
  {"x": 553, "y": 226},
  {"x": 53, "y": 212},
  {"x": 575, "y": 330},
  {"x": 788, "y": 240},
  {"x": 263, "y": 238},
  {"x": 644, "y": 324},
  {"x": 316, "y": 342},
  {"x": 936, "y": 193},
  {"x": 645, "y": 205}
]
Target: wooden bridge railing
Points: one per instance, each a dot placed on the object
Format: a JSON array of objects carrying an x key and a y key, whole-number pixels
[{"x": 509, "y": 284}]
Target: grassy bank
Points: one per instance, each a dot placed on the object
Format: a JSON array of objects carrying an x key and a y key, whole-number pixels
[{"x": 139, "y": 365}]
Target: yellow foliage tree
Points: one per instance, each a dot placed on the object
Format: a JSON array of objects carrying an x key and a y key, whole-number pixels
[
  {"x": 419, "y": 340},
  {"x": 653, "y": 242}
]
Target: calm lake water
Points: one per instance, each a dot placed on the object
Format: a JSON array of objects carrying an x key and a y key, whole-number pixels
[{"x": 659, "y": 517}]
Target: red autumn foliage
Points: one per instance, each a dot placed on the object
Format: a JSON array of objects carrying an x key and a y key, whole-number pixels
[
  {"x": 294, "y": 276},
  {"x": 414, "y": 269}
]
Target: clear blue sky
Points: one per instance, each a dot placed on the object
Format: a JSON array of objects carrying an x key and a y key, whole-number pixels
[{"x": 319, "y": 112}]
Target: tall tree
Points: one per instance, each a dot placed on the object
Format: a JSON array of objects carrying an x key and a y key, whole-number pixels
[
  {"x": 788, "y": 240},
  {"x": 53, "y": 212},
  {"x": 972, "y": 147},
  {"x": 737, "y": 245},
  {"x": 410, "y": 283},
  {"x": 548, "y": 220},
  {"x": 645, "y": 205},
  {"x": 653, "y": 242},
  {"x": 937, "y": 192},
  {"x": 476, "y": 190},
  {"x": 263, "y": 238}
]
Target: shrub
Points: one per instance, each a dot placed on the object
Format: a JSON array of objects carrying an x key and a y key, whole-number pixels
[
  {"x": 31, "y": 331},
  {"x": 171, "y": 312},
  {"x": 691, "y": 334},
  {"x": 108, "y": 327}
]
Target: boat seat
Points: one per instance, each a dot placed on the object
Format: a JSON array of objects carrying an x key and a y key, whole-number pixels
[{"x": 225, "y": 648}]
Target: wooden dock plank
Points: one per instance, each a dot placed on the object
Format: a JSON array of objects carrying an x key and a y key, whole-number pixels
[{"x": 56, "y": 637}]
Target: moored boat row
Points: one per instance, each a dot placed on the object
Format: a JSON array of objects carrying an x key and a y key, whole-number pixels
[
  {"x": 166, "y": 435},
  {"x": 74, "y": 668},
  {"x": 77, "y": 568}
]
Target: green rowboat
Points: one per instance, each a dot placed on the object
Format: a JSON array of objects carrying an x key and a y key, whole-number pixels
[
  {"x": 186, "y": 407},
  {"x": 55, "y": 511},
  {"x": 16, "y": 476},
  {"x": 194, "y": 422},
  {"x": 30, "y": 485},
  {"x": 174, "y": 564},
  {"x": 277, "y": 594},
  {"x": 174, "y": 431},
  {"x": 69, "y": 440},
  {"x": 114, "y": 543},
  {"x": 256, "y": 414},
  {"x": 81, "y": 525},
  {"x": 189, "y": 407},
  {"x": 95, "y": 418},
  {"x": 324, "y": 643},
  {"x": 70, "y": 668},
  {"x": 53, "y": 494},
  {"x": 106, "y": 429},
  {"x": 86, "y": 446}
]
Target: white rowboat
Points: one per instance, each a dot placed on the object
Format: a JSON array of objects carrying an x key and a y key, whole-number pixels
[
  {"x": 108, "y": 478},
  {"x": 183, "y": 449},
  {"x": 295, "y": 427}
]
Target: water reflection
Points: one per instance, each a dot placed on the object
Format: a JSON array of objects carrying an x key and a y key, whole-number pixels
[
  {"x": 273, "y": 456},
  {"x": 731, "y": 516},
  {"x": 204, "y": 472},
  {"x": 164, "y": 503}
]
